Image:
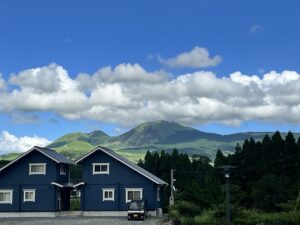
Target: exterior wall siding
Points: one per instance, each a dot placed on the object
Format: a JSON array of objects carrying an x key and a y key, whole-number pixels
[
  {"x": 17, "y": 177},
  {"x": 120, "y": 177}
]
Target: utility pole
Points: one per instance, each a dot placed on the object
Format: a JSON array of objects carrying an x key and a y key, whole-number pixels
[
  {"x": 226, "y": 170},
  {"x": 172, "y": 186}
]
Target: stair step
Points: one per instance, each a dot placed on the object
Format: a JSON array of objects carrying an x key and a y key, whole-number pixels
[{"x": 69, "y": 213}]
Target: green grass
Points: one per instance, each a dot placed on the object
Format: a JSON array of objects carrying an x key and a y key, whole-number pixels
[
  {"x": 241, "y": 217},
  {"x": 10, "y": 156}
]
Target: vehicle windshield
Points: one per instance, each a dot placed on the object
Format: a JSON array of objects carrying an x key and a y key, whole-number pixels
[{"x": 136, "y": 206}]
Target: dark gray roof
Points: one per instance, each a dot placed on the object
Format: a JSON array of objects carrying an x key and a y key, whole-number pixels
[
  {"x": 55, "y": 156},
  {"x": 127, "y": 162},
  {"x": 59, "y": 158}
]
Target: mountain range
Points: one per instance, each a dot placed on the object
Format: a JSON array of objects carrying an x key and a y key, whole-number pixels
[{"x": 153, "y": 136}]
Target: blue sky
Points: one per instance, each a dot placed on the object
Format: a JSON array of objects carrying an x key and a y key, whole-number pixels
[{"x": 250, "y": 37}]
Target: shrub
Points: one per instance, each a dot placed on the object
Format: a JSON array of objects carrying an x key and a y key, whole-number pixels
[
  {"x": 207, "y": 218},
  {"x": 253, "y": 217},
  {"x": 187, "y": 209},
  {"x": 75, "y": 204}
]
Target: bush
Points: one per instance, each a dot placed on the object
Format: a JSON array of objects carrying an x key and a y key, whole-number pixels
[
  {"x": 207, "y": 218},
  {"x": 187, "y": 209},
  {"x": 253, "y": 217},
  {"x": 75, "y": 204}
]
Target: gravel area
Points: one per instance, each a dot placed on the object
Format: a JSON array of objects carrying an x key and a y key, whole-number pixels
[{"x": 77, "y": 221}]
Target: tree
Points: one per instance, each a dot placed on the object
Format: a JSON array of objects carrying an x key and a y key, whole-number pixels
[
  {"x": 269, "y": 191},
  {"x": 220, "y": 159}
]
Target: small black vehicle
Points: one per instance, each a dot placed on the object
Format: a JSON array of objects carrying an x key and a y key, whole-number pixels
[{"x": 137, "y": 210}]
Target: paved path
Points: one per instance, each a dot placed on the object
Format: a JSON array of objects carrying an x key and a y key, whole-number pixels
[{"x": 77, "y": 221}]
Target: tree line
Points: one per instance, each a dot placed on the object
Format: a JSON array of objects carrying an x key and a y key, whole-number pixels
[
  {"x": 196, "y": 181},
  {"x": 267, "y": 174}
]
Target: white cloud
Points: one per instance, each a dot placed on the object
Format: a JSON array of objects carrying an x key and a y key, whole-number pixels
[
  {"x": 47, "y": 79},
  {"x": 47, "y": 88},
  {"x": 2, "y": 83},
  {"x": 11, "y": 143},
  {"x": 256, "y": 28},
  {"x": 196, "y": 58},
  {"x": 128, "y": 94}
]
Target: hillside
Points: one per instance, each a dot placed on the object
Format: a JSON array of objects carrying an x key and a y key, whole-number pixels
[{"x": 152, "y": 136}]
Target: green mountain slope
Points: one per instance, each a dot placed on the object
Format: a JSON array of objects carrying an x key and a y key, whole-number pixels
[
  {"x": 162, "y": 133},
  {"x": 94, "y": 138},
  {"x": 152, "y": 136}
]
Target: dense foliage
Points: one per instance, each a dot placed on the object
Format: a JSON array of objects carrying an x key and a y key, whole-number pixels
[
  {"x": 196, "y": 181},
  {"x": 264, "y": 185},
  {"x": 3, "y": 163},
  {"x": 267, "y": 173}
]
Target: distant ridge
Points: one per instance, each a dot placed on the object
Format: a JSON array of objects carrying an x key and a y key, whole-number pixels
[{"x": 154, "y": 136}]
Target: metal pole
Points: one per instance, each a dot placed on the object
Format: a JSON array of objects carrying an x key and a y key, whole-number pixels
[
  {"x": 226, "y": 169},
  {"x": 227, "y": 202},
  {"x": 171, "y": 186}
]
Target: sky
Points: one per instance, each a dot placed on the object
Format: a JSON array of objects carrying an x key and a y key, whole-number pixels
[{"x": 221, "y": 66}]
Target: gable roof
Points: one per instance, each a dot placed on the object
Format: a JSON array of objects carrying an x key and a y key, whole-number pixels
[
  {"x": 126, "y": 162},
  {"x": 50, "y": 153}
]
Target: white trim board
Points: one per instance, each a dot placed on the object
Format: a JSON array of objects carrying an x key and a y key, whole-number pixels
[
  {"x": 79, "y": 184},
  {"x": 24, "y": 154}
]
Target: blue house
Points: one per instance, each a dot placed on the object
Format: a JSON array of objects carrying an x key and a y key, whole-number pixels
[
  {"x": 36, "y": 181},
  {"x": 110, "y": 182}
]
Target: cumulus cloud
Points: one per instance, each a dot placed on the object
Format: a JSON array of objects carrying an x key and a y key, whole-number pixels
[
  {"x": 2, "y": 83},
  {"x": 47, "y": 88},
  {"x": 11, "y": 143},
  {"x": 128, "y": 95},
  {"x": 196, "y": 58}
]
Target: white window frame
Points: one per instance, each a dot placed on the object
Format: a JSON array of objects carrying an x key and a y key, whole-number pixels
[
  {"x": 132, "y": 189},
  {"x": 28, "y": 191},
  {"x": 108, "y": 190},
  {"x": 10, "y": 191},
  {"x": 100, "y": 172},
  {"x": 61, "y": 171},
  {"x": 37, "y": 164}
]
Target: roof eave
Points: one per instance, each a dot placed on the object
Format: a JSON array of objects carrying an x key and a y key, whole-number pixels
[
  {"x": 103, "y": 150},
  {"x": 27, "y": 152}
]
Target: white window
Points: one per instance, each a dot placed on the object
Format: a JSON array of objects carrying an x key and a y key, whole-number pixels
[
  {"x": 134, "y": 194},
  {"x": 37, "y": 168},
  {"x": 63, "y": 169},
  {"x": 6, "y": 196},
  {"x": 108, "y": 194},
  {"x": 29, "y": 195},
  {"x": 100, "y": 168}
]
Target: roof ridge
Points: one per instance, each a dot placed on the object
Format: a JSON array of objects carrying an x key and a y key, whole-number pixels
[{"x": 125, "y": 161}]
